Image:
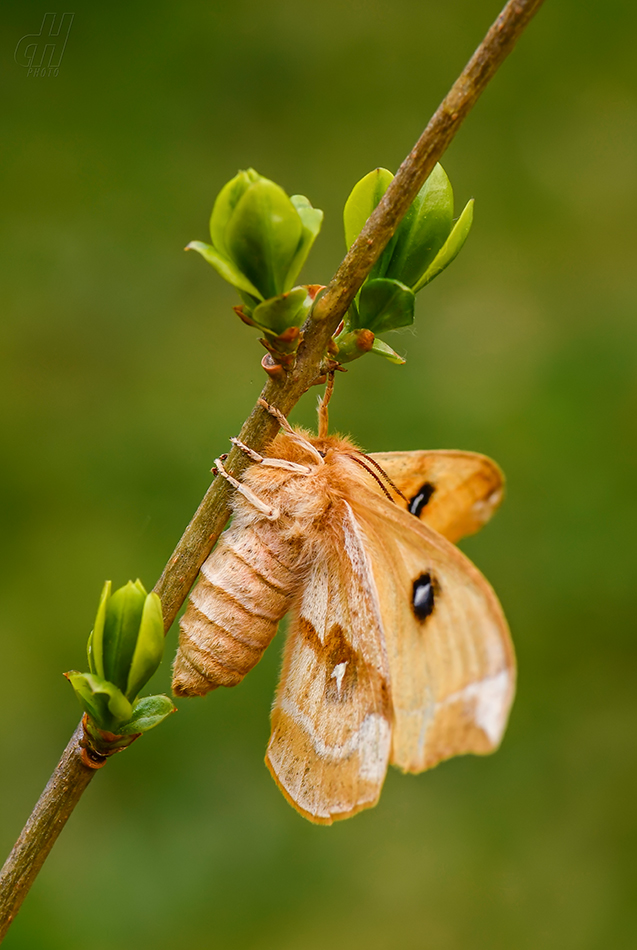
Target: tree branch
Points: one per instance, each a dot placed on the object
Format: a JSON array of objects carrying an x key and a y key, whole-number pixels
[
  {"x": 71, "y": 776},
  {"x": 40, "y": 833}
]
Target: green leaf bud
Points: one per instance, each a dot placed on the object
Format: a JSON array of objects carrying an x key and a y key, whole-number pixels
[
  {"x": 277, "y": 314},
  {"x": 260, "y": 237},
  {"x": 263, "y": 235},
  {"x": 127, "y": 642},
  {"x": 124, "y": 650},
  {"x": 352, "y": 344},
  {"x": 421, "y": 235},
  {"x": 425, "y": 242},
  {"x": 121, "y": 629}
]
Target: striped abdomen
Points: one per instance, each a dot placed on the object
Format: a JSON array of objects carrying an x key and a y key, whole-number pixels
[{"x": 233, "y": 612}]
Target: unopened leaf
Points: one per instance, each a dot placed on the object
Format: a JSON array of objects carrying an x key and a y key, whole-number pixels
[
  {"x": 382, "y": 349},
  {"x": 225, "y": 203},
  {"x": 94, "y": 646},
  {"x": 287, "y": 310},
  {"x": 423, "y": 230},
  {"x": 263, "y": 235},
  {"x": 385, "y": 305},
  {"x": 147, "y": 713},
  {"x": 149, "y": 648},
  {"x": 311, "y": 221},
  {"x": 225, "y": 268},
  {"x": 363, "y": 198},
  {"x": 102, "y": 700},
  {"x": 451, "y": 248}
]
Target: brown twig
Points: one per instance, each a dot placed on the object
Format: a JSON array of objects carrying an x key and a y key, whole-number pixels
[
  {"x": 56, "y": 803},
  {"x": 71, "y": 777}
]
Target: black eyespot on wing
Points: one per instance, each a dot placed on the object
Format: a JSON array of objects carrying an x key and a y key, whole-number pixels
[
  {"x": 421, "y": 498},
  {"x": 422, "y": 598}
]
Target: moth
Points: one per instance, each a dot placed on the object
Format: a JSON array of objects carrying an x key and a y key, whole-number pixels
[{"x": 397, "y": 650}]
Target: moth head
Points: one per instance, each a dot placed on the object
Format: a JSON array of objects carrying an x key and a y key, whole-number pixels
[
  {"x": 329, "y": 446},
  {"x": 295, "y": 446},
  {"x": 303, "y": 448}
]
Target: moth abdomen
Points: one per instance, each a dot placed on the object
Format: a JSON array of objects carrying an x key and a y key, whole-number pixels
[{"x": 243, "y": 592}]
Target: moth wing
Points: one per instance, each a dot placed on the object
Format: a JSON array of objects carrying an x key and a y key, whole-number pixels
[
  {"x": 451, "y": 661},
  {"x": 331, "y": 720},
  {"x": 453, "y": 492}
]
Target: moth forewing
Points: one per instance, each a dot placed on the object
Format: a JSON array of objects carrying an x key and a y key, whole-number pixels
[{"x": 453, "y": 492}]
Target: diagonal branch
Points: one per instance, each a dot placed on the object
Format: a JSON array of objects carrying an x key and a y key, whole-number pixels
[{"x": 71, "y": 777}]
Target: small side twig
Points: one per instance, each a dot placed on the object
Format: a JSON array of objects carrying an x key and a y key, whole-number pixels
[{"x": 71, "y": 776}]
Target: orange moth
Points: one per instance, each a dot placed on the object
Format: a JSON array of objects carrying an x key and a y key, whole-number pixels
[{"x": 397, "y": 651}]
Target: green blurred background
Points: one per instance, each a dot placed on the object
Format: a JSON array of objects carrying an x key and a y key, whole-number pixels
[{"x": 117, "y": 395}]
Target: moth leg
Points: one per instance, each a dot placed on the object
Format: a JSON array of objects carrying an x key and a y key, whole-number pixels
[
  {"x": 271, "y": 513},
  {"x": 272, "y": 463},
  {"x": 323, "y": 427},
  {"x": 283, "y": 422}
]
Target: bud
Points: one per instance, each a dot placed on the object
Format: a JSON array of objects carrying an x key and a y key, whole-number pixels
[
  {"x": 425, "y": 242},
  {"x": 127, "y": 642},
  {"x": 260, "y": 237},
  {"x": 124, "y": 649},
  {"x": 350, "y": 344},
  {"x": 280, "y": 320}
]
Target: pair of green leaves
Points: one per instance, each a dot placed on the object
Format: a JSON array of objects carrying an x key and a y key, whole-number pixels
[
  {"x": 425, "y": 242},
  {"x": 260, "y": 240},
  {"x": 125, "y": 648}
]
